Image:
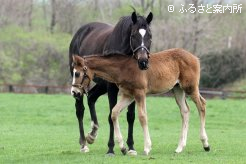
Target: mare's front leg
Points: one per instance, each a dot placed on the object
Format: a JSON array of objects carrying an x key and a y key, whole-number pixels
[
  {"x": 123, "y": 103},
  {"x": 112, "y": 98},
  {"x": 140, "y": 99},
  {"x": 98, "y": 90},
  {"x": 130, "y": 120},
  {"x": 80, "y": 115}
]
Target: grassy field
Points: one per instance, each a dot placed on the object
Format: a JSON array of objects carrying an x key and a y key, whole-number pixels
[{"x": 43, "y": 129}]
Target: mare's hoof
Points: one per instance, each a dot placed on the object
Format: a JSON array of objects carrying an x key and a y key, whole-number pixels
[
  {"x": 207, "y": 148},
  {"x": 90, "y": 139},
  {"x": 110, "y": 154},
  {"x": 132, "y": 152},
  {"x": 124, "y": 151},
  {"x": 84, "y": 149}
]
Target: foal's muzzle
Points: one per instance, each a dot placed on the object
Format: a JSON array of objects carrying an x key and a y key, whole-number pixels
[{"x": 76, "y": 95}]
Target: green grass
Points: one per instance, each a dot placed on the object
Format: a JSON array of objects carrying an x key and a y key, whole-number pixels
[{"x": 43, "y": 129}]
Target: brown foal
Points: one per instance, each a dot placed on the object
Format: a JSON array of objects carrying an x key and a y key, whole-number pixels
[{"x": 174, "y": 69}]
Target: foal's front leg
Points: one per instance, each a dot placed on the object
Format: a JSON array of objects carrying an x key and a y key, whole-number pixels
[
  {"x": 123, "y": 103},
  {"x": 142, "y": 115}
]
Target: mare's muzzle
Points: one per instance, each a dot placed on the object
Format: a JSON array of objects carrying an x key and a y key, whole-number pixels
[
  {"x": 143, "y": 64},
  {"x": 142, "y": 55}
]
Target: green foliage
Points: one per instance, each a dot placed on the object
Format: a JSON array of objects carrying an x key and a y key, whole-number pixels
[
  {"x": 237, "y": 85},
  {"x": 44, "y": 129},
  {"x": 221, "y": 68},
  {"x": 33, "y": 56}
]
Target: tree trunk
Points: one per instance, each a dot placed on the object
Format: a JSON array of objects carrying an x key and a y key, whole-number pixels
[
  {"x": 196, "y": 33},
  {"x": 143, "y": 5},
  {"x": 45, "y": 14},
  {"x": 53, "y": 16},
  {"x": 29, "y": 16}
]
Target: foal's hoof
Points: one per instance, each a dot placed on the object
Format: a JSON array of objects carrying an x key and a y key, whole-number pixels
[
  {"x": 146, "y": 153},
  {"x": 124, "y": 151},
  {"x": 179, "y": 149},
  {"x": 90, "y": 139},
  {"x": 207, "y": 148},
  {"x": 132, "y": 152},
  {"x": 84, "y": 149}
]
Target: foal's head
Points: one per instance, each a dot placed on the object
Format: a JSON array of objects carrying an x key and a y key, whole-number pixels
[
  {"x": 81, "y": 77},
  {"x": 140, "y": 39}
]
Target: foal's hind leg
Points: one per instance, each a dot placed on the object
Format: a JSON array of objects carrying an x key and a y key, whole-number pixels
[
  {"x": 80, "y": 115},
  {"x": 201, "y": 106},
  {"x": 93, "y": 95},
  {"x": 185, "y": 112}
]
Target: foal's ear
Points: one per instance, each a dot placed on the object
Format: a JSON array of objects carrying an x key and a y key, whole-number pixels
[
  {"x": 76, "y": 59},
  {"x": 73, "y": 57},
  {"x": 149, "y": 17},
  {"x": 134, "y": 17}
]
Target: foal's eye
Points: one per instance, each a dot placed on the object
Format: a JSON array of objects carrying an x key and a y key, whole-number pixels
[{"x": 77, "y": 74}]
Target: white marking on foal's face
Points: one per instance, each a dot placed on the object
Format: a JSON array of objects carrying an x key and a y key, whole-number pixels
[
  {"x": 74, "y": 70},
  {"x": 74, "y": 89},
  {"x": 142, "y": 33}
]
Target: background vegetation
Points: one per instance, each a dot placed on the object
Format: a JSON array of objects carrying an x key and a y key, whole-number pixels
[
  {"x": 43, "y": 129},
  {"x": 35, "y": 36}
]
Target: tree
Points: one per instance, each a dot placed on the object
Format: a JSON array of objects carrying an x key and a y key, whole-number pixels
[{"x": 53, "y": 16}]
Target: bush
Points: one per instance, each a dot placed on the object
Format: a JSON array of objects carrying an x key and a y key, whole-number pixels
[
  {"x": 221, "y": 68},
  {"x": 36, "y": 57}
]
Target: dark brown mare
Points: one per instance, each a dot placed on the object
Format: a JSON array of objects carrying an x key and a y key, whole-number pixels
[
  {"x": 131, "y": 37},
  {"x": 174, "y": 69}
]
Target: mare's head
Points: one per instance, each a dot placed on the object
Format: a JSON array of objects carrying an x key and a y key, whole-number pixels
[
  {"x": 82, "y": 77},
  {"x": 131, "y": 36},
  {"x": 140, "y": 39}
]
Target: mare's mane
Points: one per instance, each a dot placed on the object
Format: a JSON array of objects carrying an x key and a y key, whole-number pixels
[{"x": 120, "y": 34}]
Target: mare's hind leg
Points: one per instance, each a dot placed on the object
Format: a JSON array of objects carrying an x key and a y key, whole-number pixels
[
  {"x": 185, "y": 112},
  {"x": 201, "y": 106},
  {"x": 93, "y": 95},
  {"x": 130, "y": 120},
  {"x": 80, "y": 115}
]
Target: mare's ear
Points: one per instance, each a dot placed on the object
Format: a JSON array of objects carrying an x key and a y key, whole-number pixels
[
  {"x": 149, "y": 17},
  {"x": 134, "y": 17}
]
